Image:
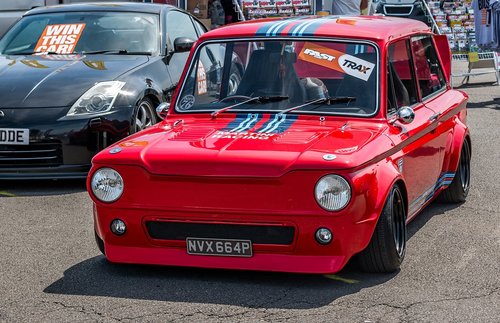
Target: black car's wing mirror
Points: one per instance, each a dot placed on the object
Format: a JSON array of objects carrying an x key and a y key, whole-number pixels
[{"x": 183, "y": 44}]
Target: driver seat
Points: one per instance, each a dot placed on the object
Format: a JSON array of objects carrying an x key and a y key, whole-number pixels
[{"x": 270, "y": 73}]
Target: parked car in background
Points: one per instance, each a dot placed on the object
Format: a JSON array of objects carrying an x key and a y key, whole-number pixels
[
  {"x": 13, "y": 10},
  {"x": 341, "y": 130},
  {"x": 413, "y": 9},
  {"x": 77, "y": 78}
]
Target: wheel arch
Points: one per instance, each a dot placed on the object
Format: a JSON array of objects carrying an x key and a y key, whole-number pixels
[
  {"x": 152, "y": 94},
  {"x": 402, "y": 185},
  {"x": 454, "y": 146},
  {"x": 387, "y": 175}
]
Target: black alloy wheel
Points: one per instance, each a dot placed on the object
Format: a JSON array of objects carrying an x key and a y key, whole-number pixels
[
  {"x": 399, "y": 222},
  {"x": 144, "y": 115},
  {"x": 459, "y": 188},
  {"x": 234, "y": 81},
  {"x": 464, "y": 168},
  {"x": 387, "y": 247}
]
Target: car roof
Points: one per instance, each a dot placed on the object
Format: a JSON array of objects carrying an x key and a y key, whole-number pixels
[
  {"x": 102, "y": 6},
  {"x": 377, "y": 28}
]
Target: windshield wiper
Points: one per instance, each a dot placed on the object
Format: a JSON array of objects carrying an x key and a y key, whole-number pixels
[
  {"x": 329, "y": 100},
  {"x": 255, "y": 99},
  {"x": 115, "y": 52},
  {"x": 33, "y": 53}
]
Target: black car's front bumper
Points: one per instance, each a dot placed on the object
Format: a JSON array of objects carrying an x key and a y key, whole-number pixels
[
  {"x": 58, "y": 147},
  {"x": 414, "y": 11}
]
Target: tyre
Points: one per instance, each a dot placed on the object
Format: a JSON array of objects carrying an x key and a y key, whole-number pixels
[
  {"x": 234, "y": 80},
  {"x": 100, "y": 243},
  {"x": 387, "y": 248},
  {"x": 144, "y": 115},
  {"x": 459, "y": 188}
]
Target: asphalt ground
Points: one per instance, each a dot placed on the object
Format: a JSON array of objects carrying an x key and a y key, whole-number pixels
[{"x": 51, "y": 270}]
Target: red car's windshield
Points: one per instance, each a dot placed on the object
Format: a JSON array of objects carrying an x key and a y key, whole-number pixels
[{"x": 283, "y": 74}]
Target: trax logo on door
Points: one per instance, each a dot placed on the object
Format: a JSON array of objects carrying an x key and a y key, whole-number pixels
[{"x": 318, "y": 55}]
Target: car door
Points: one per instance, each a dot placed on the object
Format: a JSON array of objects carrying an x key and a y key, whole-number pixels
[
  {"x": 418, "y": 158},
  {"x": 436, "y": 94},
  {"x": 178, "y": 24}
]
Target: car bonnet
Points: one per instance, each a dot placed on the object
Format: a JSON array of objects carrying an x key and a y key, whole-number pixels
[{"x": 57, "y": 80}]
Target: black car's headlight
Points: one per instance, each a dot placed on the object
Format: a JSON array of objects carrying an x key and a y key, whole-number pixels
[{"x": 98, "y": 99}]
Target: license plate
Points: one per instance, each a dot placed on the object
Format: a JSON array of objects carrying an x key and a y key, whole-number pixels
[
  {"x": 10, "y": 136},
  {"x": 219, "y": 247}
]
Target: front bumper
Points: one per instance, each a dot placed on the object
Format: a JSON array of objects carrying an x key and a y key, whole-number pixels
[
  {"x": 58, "y": 148},
  {"x": 303, "y": 255}
]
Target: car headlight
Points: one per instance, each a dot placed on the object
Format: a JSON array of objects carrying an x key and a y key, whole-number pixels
[
  {"x": 107, "y": 185},
  {"x": 97, "y": 100},
  {"x": 332, "y": 192}
]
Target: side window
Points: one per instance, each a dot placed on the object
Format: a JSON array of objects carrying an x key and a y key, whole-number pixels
[
  {"x": 204, "y": 82},
  {"x": 429, "y": 73},
  {"x": 199, "y": 28},
  {"x": 400, "y": 77},
  {"x": 179, "y": 25}
]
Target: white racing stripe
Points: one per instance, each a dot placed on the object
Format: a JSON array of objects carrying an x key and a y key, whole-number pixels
[
  {"x": 275, "y": 28},
  {"x": 251, "y": 118},
  {"x": 273, "y": 124}
]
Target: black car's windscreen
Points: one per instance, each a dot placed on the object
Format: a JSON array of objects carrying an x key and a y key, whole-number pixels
[
  {"x": 324, "y": 76},
  {"x": 77, "y": 32}
]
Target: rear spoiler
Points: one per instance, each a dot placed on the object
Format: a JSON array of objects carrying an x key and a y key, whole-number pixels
[{"x": 444, "y": 52}]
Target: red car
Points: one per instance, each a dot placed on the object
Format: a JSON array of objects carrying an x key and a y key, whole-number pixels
[{"x": 337, "y": 134}]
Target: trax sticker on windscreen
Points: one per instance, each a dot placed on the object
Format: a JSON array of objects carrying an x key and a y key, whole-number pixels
[
  {"x": 336, "y": 60},
  {"x": 60, "y": 39}
]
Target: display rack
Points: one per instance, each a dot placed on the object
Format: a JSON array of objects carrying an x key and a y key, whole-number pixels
[
  {"x": 254, "y": 9},
  {"x": 478, "y": 64}
]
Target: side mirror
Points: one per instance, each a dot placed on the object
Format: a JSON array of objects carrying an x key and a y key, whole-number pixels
[
  {"x": 162, "y": 110},
  {"x": 405, "y": 115},
  {"x": 183, "y": 44}
]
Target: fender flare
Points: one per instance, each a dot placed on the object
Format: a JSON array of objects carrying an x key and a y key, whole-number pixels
[
  {"x": 454, "y": 146},
  {"x": 387, "y": 175}
]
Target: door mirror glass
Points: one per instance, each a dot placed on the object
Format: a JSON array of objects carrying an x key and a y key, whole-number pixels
[{"x": 183, "y": 44}]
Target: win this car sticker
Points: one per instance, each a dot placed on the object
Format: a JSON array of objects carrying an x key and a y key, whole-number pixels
[
  {"x": 336, "y": 60},
  {"x": 60, "y": 39}
]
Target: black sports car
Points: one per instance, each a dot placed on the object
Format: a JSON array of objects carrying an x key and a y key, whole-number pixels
[
  {"x": 413, "y": 9},
  {"x": 77, "y": 78}
]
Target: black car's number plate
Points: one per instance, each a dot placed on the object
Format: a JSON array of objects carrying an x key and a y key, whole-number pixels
[
  {"x": 10, "y": 136},
  {"x": 219, "y": 247}
]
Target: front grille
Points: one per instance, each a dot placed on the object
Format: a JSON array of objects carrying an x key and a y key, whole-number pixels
[
  {"x": 32, "y": 155},
  {"x": 398, "y": 10},
  {"x": 259, "y": 234}
]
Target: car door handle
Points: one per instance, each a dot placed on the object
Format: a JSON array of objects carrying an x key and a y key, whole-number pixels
[{"x": 434, "y": 117}]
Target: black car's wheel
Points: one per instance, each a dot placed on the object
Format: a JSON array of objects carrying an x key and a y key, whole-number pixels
[
  {"x": 144, "y": 115},
  {"x": 234, "y": 80},
  {"x": 387, "y": 248},
  {"x": 459, "y": 187},
  {"x": 100, "y": 243}
]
